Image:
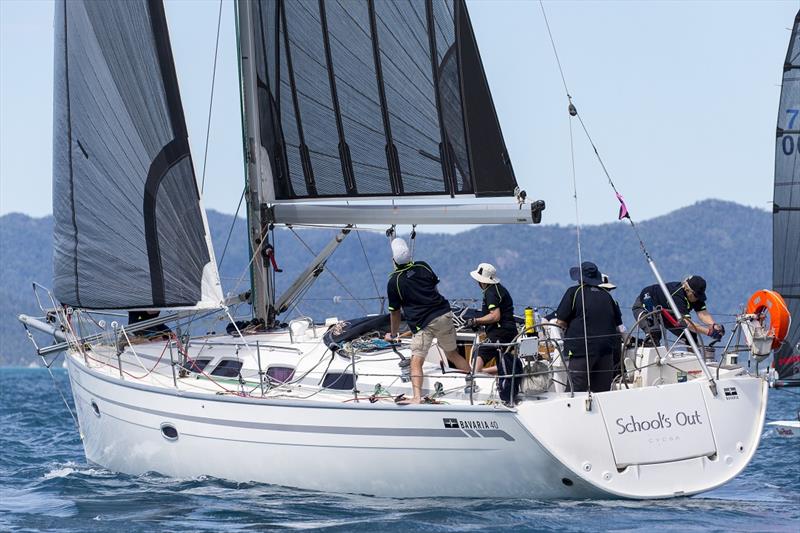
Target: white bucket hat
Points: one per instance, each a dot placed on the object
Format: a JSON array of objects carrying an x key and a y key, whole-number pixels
[
  {"x": 400, "y": 252},
  {"x": 485, "y": 273},
  {"x": 607, "y": 285}
]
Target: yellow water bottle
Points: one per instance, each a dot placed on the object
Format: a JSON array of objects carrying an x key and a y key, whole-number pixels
[{"x": 530, "y": 321}]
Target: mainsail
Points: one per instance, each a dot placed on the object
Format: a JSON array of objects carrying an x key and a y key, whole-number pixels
[
  {"x": 786, "y": 206},
  {"x": 129, "y": 228},
  {"x": 365, "y": 98}
]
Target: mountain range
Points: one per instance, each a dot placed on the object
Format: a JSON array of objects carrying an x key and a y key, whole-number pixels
[{"x": 727, "y": 243}]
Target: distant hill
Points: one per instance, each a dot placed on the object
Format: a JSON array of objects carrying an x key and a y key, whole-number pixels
[{"x": 728, "y": 244}]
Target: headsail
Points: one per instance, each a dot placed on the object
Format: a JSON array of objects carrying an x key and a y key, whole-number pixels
[
  {"x": 786, "y": 206},
  {"x": 367, "y": 98},
  {"x": 129, "y": 228}
]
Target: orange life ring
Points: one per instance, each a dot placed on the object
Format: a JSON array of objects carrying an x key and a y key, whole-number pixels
[{"x": 779, "y": 316}]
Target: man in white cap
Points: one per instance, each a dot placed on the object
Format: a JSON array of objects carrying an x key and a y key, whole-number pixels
[{"x": 412, "y": 289}]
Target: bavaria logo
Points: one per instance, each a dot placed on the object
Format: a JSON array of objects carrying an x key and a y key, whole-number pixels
[
  {"x": 450, "y": 423},
  {"x": 730, "y": 393}
]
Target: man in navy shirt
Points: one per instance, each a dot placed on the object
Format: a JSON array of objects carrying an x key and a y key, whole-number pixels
[
  {"x": 587, "y": 303},
  {"x": 689, "y": 295},
  {"x": 412, "y": 291}
]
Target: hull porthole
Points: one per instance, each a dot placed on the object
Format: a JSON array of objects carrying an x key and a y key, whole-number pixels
[
  {"x": 169, "y": 432},
  {"x": 95, "y": 408},
  {"x": 566, "y": 481}
]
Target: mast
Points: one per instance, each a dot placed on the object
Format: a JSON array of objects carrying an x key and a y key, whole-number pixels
[{"x": 259, "y": 192}]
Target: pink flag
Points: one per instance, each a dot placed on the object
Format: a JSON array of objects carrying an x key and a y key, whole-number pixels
[{"x": 623, "y": 209}]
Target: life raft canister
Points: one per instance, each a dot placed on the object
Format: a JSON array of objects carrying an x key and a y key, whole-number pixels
[{"x": 779, "y": 316}]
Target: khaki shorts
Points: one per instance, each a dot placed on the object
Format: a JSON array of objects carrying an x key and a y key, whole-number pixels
[{"x": 440, "y": 328}]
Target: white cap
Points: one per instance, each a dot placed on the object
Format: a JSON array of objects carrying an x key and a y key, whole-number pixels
[
  {"x": 485, "y": 273},
  {"x": 400, "y": 252}
]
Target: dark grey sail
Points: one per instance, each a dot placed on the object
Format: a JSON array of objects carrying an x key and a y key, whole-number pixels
[
  {"x": 786, "y": 207},
  {"x": 129, "y": 228},
  {"x": 363, "y": 98}
]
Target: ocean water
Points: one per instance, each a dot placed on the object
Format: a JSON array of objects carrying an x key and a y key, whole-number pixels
[{"x": 47, "y": 485}]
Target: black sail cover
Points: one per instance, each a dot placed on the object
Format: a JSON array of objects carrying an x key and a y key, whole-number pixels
[
  {"x": 786, "y": 207},
  {"x": 130, "y": 232},
  {"x": 363, "y": 98}
]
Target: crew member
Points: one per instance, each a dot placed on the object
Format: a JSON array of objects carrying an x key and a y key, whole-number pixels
[
  {"x": 412, "y": 290},
  {"x": 497, "y": 315},
  {"x": 689, "y": 295},
  {"x": 587, "y": 303},
  {"x": 156, "y": 332}
]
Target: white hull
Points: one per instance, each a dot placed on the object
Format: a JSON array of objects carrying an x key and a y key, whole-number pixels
[{"x": 550, "y": 447}]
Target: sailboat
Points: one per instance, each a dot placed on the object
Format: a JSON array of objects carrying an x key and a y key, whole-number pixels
[
  {"x": 786, "y": 213},
  {"x": 345, "y": 105}
]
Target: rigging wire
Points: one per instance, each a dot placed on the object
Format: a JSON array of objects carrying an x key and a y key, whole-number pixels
[
  {"x": 573, "y": 112},
  {"x": 329, "y": 271},
  {"x": 580, "y": 260},
  {"x": 211, "y": 99},
  {"x": 371, "y": 273},
  {"x": 230, "y": 231}
]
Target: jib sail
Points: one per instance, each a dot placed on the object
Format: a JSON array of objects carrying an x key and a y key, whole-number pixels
[{"x": 129, "y": 228}]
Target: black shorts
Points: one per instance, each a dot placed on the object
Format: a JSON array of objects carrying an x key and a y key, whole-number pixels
[{"x": 489, "y": 353}]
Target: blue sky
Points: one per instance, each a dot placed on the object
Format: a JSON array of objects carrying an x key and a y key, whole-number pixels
[{"x": 680, "y": 97}]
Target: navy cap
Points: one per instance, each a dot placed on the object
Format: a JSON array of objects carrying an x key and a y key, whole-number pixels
[
  {"x": 591, "y": 274},
  {"x": 698, "y": 286}
]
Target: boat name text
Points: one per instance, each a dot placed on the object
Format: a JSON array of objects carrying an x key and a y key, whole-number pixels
[{"x": 661, "y": 421}]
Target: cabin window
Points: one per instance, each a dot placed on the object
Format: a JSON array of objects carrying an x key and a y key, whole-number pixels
[
  {"x": 280, "y": 374},
  {"x": 169, "y": 432},
  {"x": 227, "y": 368},
  {"x": 95, "y": 408},
  {"x": 338, "y": 380},
  {"x": 196, "y": 365}
]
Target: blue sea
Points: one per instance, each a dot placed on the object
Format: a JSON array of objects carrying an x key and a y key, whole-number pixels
[{"x": 47, "y": 485}]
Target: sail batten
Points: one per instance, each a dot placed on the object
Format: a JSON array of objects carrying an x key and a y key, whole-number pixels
[
  {"x": 786, "y": 207},
  {"x": 129, "y": 230},
  {"x": 366, "y": 99}
]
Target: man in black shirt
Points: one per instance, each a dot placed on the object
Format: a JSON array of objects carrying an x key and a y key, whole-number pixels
[
  {"x": 497, "y": 315},
  {"x": 498, "y": 318},
  {"x": 412, "y": 289},
  {"x": 689, "y": 295},
  {"x": 587, "y": 302}
]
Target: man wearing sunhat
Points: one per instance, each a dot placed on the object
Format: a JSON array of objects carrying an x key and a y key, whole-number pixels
[
  {"x": 497, "y": 314},
  {"x": 689, "y": 295},
  {"x": 497, "y": 317},
  {"x": 588, "y": 303},
  {"x": 412, "y": 291}
]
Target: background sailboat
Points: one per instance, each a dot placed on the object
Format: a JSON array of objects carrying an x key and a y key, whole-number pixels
[{"x": 786, "y": 211}]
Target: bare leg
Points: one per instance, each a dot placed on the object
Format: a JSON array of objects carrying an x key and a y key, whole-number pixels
[
  {"x": 416, "y": 377},
  {"x": 479, "y": 367},
  {"x": 458, "y": 360}
]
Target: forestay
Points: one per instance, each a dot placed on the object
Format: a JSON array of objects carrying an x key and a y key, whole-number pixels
[
  {"x": 129, "y": 228},
  {"x": 786, "y": 206},
  {"x": 367, "y": 98}
]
